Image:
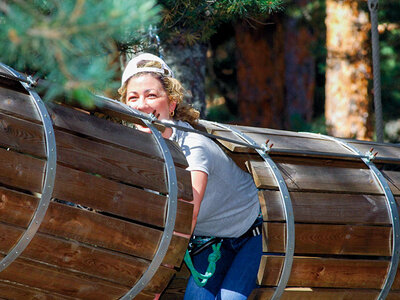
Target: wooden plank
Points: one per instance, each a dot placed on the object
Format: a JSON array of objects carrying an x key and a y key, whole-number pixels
[
  {"x": 320, "y": 143},
  {"x": 176, "y": 288},
  {"x": 244, "y": 159},
  {"x": 22, "y": 171},
  {"x": 15, "y": 291},
  {"x": 322, "y": 294},
  {"x": 90, "y": 156},
  {"x": 385, "y": 150},
  {"x": 250, "y": 129},
  {"x": 294, "y": 143},
  {"x": 99, "y": 103},
  {"x": 319, "y": 161},
  {"x": 91, "y": 228},
  {"x": 330, "y": 239},
  {"x": 326, "y": 272},
  {"x": 298, "y": 160},
  {"x": 285, "y": 143},
  {"x": 327, "y": 208},
  {"x": 315, "y": 178},
  {"x": 109, "y": 108},
  {"x": 84, "y": 259},
  {"x": 9, "y": 83},
  {"x": 81, "y": 123},
  {"x": 22, "y": 136},
  {"x": 63, "y": 282}
]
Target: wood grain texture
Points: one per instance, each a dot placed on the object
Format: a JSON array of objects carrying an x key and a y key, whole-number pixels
[
  {"x": 36, "y": 276},
  {"x": 330, "y": 239},
  {"x": 63, "y": 282},
  {"x": 85, "y": 259},
  {"x": 102, "y": 165},
  {"x": 326, "y": 272},
  {"x": 90, "y": 156},
  {"x": 111, "y": 109},
  {"x": 176, "y": 288},
  {"x": 326, "y": 179},
  {"x": 81, "y": 123},
  {"x": 294, "y": 143},
  {"x": 87, "y": 189},
  {"x": 327, "y": 208},
  {"x": 90, "y": 228},
  {"x": 286, "y": 142},
  {"x": 322, "y": 294},
  {"x": 16, "y": 291}
]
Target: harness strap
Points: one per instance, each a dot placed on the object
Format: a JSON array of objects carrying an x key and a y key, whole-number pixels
[{"x": 201, "y": 279}]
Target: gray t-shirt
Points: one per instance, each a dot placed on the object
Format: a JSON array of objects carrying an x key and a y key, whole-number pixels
[{"x": 230, "y": 204}]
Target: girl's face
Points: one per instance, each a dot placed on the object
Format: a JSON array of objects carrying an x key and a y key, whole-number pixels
[{"x": 146, "y": 94}]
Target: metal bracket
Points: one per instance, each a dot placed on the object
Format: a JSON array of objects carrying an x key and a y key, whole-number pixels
[
  {"x": 287, "y": 205},
  {"x": 373, "y": 5},
  {"x": 49, "y": 179},
  {"x": 171, "y": 212},
  {"x": 390, "y": 204}
]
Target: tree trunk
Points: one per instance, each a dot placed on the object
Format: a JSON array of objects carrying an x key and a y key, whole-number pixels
[
  {"x": 299, "y": 72},
  {"x": 347, "y": 104},
  {"x": 260, "y": 72},
  {"x": 189, "y": 66}
]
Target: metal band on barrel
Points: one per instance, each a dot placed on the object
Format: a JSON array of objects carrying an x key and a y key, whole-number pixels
[
  {"x": 287, "y": 204},
  {"x": 49, "y": 179},
  {"x": 171, "y": 213},
  {"x": 394, "y": 214}
]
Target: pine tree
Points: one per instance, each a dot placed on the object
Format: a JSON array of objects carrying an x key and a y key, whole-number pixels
[
  {"x": 74, "y": 44},
  {"x": 347, "y": 102},
  {"x": 71, "y": 43},
  {"x": 186, "y": 28}
]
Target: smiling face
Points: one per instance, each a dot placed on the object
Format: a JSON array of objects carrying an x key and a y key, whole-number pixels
[{"x": 147, "y": 94}]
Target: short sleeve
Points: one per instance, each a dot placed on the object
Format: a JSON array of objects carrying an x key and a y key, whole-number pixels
[{"x": 196, "y": 148}]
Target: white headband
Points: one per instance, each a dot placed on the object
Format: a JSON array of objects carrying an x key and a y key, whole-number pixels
[{"x": 132, "y": 67}]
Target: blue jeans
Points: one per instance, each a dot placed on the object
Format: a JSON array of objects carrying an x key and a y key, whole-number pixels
[{"x": 236, "y": 271}]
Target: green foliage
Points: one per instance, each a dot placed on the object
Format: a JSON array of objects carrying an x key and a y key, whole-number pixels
[
  {"x": 71, "y": 43},
  {"x": 318, "y": 125},
  {"x": 192, "y": 21},
  {"x": 222, "y": 74},
  {"x": 220, "y": 113},
  {"x": 389, "y": 16}
]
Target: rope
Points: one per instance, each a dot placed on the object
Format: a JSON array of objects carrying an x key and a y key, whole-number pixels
[
  {"x": 201, "y": 279},
  {"x": 155, "y": 40},
  {"x": 373, "y": 8}
]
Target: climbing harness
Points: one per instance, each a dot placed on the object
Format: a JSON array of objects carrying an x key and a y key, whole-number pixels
[
  {"x": 196, "y": 245},
  {"x": 199, "y": 243}
]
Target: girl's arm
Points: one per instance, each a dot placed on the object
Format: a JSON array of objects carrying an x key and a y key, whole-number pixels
[{"x": 199, "y": 184}]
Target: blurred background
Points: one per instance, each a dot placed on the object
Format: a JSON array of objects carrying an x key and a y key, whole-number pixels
[{"x": 294, "y": 65}]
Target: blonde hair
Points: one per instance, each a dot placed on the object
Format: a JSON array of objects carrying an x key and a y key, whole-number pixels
[{"x": 175, "y": 92}]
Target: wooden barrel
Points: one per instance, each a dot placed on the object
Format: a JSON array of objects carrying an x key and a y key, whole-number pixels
[
  {"x": 331, "y": 227},
  {"x": 344, "y": 203},
  {"x": 106, "y": 220}
]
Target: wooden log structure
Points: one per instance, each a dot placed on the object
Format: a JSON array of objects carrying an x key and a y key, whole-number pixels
[
  {"x": 342, "y": 223},
  {"x": 107, "y": 216}
]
